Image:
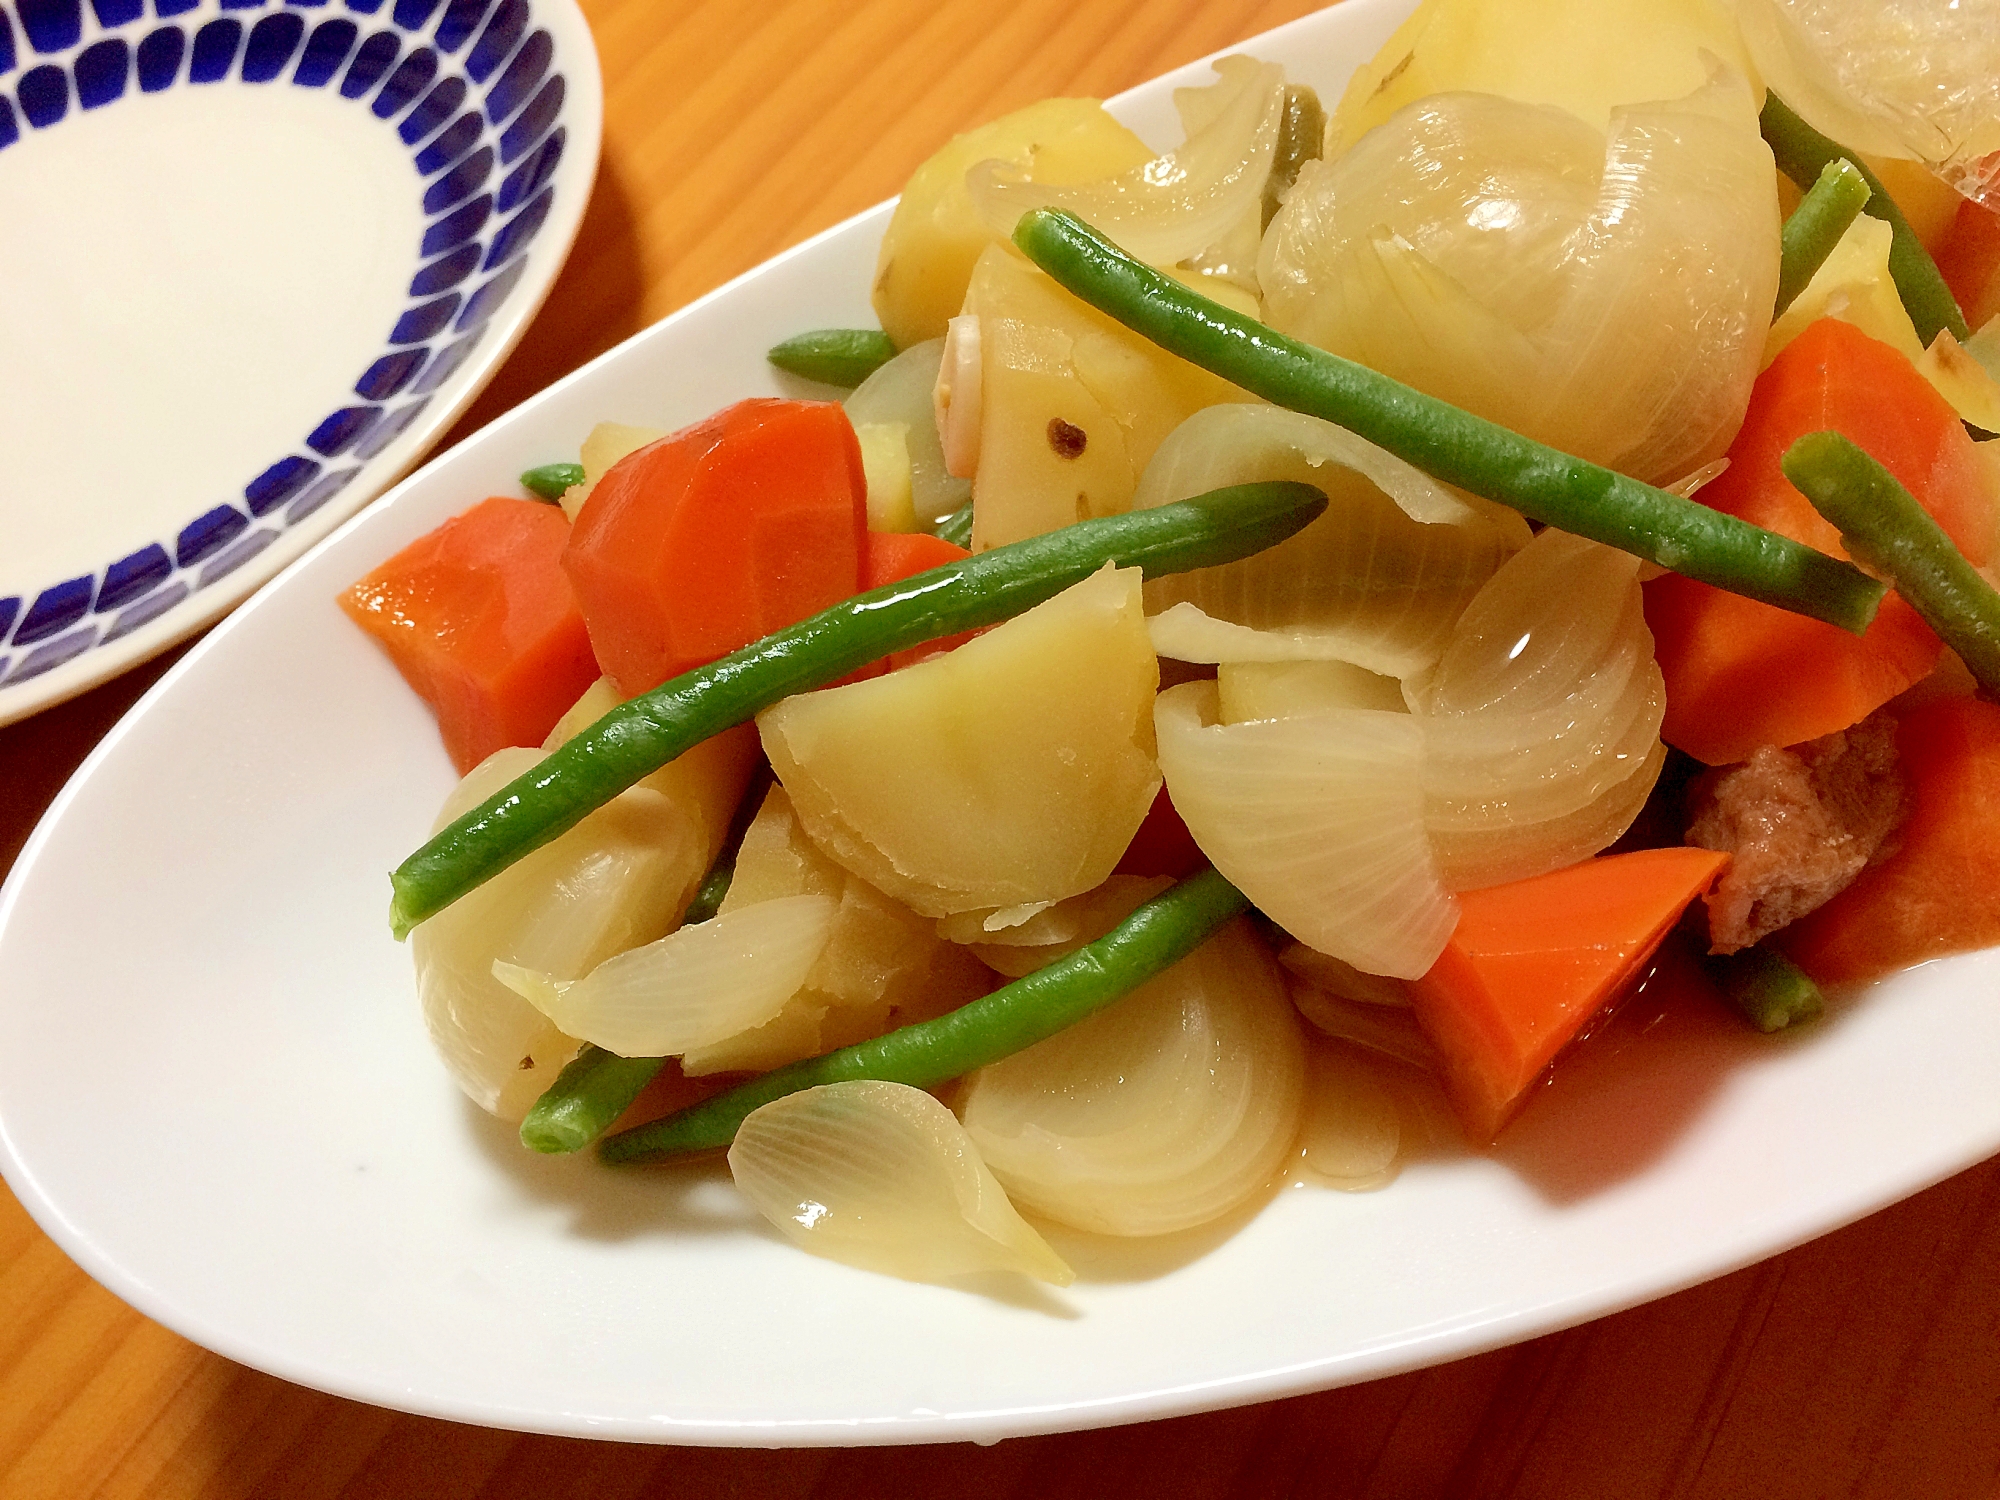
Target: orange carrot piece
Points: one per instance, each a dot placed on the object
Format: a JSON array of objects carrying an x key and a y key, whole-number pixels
[
  {"x": 717, "y": 535},
  {"x": 1939, "y": 892},
  {"x": 890, "y": 557},
  {"x": 1741, "y": 674},
  {"x": 481, "y": 621},
  {"x": 1532, "y": 960},
  {"x": 1969, "y": 260}
]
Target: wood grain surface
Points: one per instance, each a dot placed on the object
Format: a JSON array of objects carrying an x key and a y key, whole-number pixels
[{"x": 1866, "y": 1364}]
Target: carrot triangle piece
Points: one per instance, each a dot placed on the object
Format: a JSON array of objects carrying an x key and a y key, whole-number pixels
[{"x": 1532, "y": 960}]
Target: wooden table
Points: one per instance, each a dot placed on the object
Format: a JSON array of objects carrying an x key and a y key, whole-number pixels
[{"x": 1867, "y": 1364}]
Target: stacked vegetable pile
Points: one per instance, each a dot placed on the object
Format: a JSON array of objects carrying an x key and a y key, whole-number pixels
[{"x": 825, "y": 743}]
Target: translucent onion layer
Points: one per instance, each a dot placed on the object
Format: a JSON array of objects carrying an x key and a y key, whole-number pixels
[
  {"x": 1176, "y": 205},
  {"x": 691, "y": 988},
  {"x": 902, "y": 391},
  {"x": 1352, "y": 1135},
  {"x": 1376, "y": 581},
  {"x": 619, "y": 877},
  {"x": 1319, "y": 820},
  {"x": 1900, "y": 78},
  {"x": 881, "y": 1176},
  {"x": 1607, "y": 295},
  {"x": 1541, "y": 723},
  {"x": 1162, "y": 1112}
]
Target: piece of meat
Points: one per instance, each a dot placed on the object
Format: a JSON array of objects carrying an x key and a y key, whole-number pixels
[{"x": 1800, "y": 824}]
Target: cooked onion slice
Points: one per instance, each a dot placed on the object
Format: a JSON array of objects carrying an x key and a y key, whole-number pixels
[
  {"x": 1176, "y": 205},
  {"x": 1541, "y": 723},
  {"x": 692, "y": 987},
  {"x": 905, "y": 391},
  {"x": 1900, "y": 78},
  {"x": 619, "y": 877},
  {"x": 880, "y": 1176},
  {"x": 1607, "y": 295},
  {"x": 1375, "y": 581},
  {"x": 1164, "y": 1111},
  {"x": 1318, "y": 819}
]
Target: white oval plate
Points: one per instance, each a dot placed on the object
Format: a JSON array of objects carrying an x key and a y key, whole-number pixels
[
  {"x": 262, "y": 256},
  {"x": 216, "y": 1094}
]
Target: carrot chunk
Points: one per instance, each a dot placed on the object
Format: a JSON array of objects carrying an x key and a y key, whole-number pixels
[
  {"x": 1939, "y": 892},
  {"x": 1534, "y": 959},
  {"x": 1741, "y": 674},
  {"x": 1968, "y": 258},
  {"x": 892, "y": 556},
  {"x": 480, "y": 619},
  {"x": 717, "y": 535}
]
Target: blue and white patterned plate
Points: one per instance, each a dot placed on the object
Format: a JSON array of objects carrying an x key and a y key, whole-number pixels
[{"x": 255, "y": 255}]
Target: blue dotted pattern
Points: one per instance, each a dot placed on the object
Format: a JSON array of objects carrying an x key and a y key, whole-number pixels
[{"x": 469, "y": 86}]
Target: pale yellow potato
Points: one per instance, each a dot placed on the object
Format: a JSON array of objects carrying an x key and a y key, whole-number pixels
[
  {"x": 936, "y": 234},
  {"x": 1047, "y": 358},
  {"x": 1585, "y": 56},
  {"x": 1854, "y": 285},
  {"x": 608, "y": 442},
  {"x": 885, "y": 463},
  {"x": 1013, "y": 770},
  {"x": 883, "y": 966}
]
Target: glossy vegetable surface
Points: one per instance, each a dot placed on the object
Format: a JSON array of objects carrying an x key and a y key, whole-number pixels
[
  {"x": 1011, "y": 1019},
  {"x": 1532, "y": 961},
  {"x": 1447, "y": 443},
  {"x": 480, "y": 620},
  {"x": 645, "y": 733}
]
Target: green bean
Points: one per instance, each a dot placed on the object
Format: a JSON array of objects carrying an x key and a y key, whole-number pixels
[
  {"x": 1882, "y": 525},
  {"x": 1016, "y": 1016},
  {"x": 708, "y": 897},
  {"x": 551, "y": 480},
  {"x": 1769, "y": 989},
  {"x": 1816, "y": 226},
  {"x": 1448, "y": 443},
  {"x": 956, "y": 528},
  {"x": 834, "y": 356},
  {"x": 640, "y": 736},
  {"x": 1802, "y": 154},
  {"x": 594, "y": 1088}
]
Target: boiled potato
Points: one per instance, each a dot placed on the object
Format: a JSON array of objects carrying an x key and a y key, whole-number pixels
[
  {"x": 1072, "y": 404},
  {"x": 1012, "y": 770},
  {"x": 608, "y": 442},
  {"x": 882, "y": 965},
  {"x": 936, "y": 234}
]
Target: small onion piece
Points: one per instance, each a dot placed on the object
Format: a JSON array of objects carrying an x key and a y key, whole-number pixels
[
  {"x": 1541, "y": 723},
  {"x": 1318, "y": 819},
  {"x": 1163, "y": 1111},
  {"x": 1176, "y": 205},
  {"x": 1606, "y": 295},
  {"x": 1375, "y": 581},
  {"x": 904, "y": 391},
  {"x": 881, "y": 1176},
  {"x": 1352, "y": 1134},
  {"x": 693, "y": 987},
  {"x": 620, "y": 877}
]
